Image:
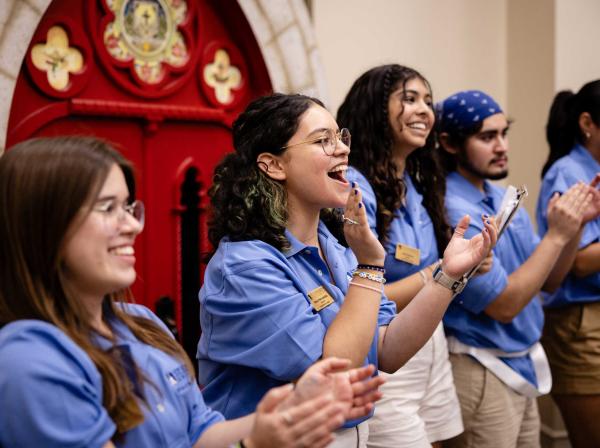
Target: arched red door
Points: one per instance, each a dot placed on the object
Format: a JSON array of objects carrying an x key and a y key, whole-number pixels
[{"x": 163, "y": 80}]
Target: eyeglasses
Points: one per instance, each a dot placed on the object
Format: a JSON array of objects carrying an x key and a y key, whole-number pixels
[
  {"x": 328, "y": 140},
  {"x": 117, "y": 214}
]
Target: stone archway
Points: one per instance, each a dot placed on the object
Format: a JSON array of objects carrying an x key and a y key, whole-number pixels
[{"x": 282, "y": 28}]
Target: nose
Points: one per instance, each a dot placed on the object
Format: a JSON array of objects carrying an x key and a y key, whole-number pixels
[
  {"x": 129, "y": 224},
  {"x": 341, "y": 149},
  {"x": 501, "y": 144}
]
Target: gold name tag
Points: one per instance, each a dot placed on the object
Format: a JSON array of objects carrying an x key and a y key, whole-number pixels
[
  {"x": 408, "y": 254},
  {"x": 320, "y": 298}
]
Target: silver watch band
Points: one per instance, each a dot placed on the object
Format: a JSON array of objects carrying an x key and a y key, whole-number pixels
[{"x": 456, "y": 286}]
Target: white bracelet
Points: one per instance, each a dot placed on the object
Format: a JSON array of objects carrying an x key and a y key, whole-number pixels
[
  {"x": 380, "y": 291},
  {"x": 369, "y": 276}
]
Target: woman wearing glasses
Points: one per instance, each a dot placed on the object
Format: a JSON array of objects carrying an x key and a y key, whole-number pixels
[
  {"x": 390, "y": 109},
  {"x": 281, "y": 291},
  {"x": 79, "y": 366}
]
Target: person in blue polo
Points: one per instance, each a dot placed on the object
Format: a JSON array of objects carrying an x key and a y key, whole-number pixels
[
  {"x": 571, "y": 334},
  {"x": 281, "y": 291},
  {"x": 80, "y": 367},
  {"x": 494, "y": 325}
]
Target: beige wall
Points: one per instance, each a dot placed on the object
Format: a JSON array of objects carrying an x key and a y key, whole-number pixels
[
  {"x": 456, "y": 44},
  {"x": 577, "y": 52}
]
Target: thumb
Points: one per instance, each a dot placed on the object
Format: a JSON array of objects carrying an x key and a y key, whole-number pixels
[
  {"x": 274, "y": 397},
  {"x": 555, "y": 196},
  {"x": 462, "y": 225}
]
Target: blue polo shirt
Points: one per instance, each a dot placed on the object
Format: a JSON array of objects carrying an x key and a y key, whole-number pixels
[
  {"x": 578, "y": 165},
  {"x": 259, "y": 329},
  {"x": 465, "y": 318},
  {"x": 410, "y": 226},
  {"x": 51, "y": 391}
]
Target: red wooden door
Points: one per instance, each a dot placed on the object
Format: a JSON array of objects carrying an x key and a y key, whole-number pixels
[{"x": 163, "y": 80}]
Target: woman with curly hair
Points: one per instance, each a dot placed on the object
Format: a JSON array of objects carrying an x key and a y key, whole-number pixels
[
  {"x": 390, "y": 111},
  {"x": 280, "y": 291},
  {"x": 81, "y": 367}
]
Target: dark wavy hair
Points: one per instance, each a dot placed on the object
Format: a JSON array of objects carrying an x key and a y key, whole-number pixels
[
  {"x": 365, "y": 112},
  {"x": 246, "y": 203},
  {"x": 562, "y": 128},
  {"x": 47, "y": 189}
]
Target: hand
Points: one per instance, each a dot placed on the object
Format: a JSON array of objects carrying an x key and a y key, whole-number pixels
[
  {"x": 486, "y": 264},
  {"x": 360, "y": 238},
  {"x": 462, "y": 255},
  {"x": 565, "y": 212},
  {"x": 593, "y": 210},
  {"x": 356, "y": 389},
  {"x": 309, "y": 424}
]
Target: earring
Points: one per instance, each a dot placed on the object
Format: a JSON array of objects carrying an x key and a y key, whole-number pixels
[{"x": 587, "y": 135}]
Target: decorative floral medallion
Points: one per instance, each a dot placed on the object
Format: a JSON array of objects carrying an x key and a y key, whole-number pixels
[
  {"x": 145, "y": 33},
  {"x": 222, "y": 76},
  {"x": 57, "y": 58}
]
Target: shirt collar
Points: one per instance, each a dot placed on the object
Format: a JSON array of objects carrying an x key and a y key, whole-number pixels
[
  {"x": 296, "y": 245},
  {"x": 461, "y": 186},
  {"x": 587, "y": 161}
]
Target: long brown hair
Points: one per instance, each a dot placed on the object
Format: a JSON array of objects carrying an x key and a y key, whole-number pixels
[
  {"x": 365, "y": 112},
  {"x": 44, "y": 185}
]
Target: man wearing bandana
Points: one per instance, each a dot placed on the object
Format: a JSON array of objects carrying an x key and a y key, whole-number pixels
[{"x": 494, "y": 325}]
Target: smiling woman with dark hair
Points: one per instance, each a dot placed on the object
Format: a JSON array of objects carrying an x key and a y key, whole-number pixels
[{"x": 280, "y": 291}]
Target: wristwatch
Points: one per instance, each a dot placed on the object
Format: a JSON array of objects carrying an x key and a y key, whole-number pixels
[{"x": 456, "y": 286}]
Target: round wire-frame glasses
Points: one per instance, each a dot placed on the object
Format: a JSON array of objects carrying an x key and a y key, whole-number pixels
[{"x": 328, "y": 139}]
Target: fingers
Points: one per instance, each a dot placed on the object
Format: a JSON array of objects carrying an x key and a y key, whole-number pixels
[
  {"x": 361, "y": 373},
  {"x": 490, "y": 233},
  {"x": 274, "y": 397},
  {"x": 462, "y": 226},
  {"x": 313, "y": 420},
  {"x": 330, "y": 365}
]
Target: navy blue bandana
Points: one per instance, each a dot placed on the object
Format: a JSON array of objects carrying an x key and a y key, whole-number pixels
[{"x": 465, "y": 110}]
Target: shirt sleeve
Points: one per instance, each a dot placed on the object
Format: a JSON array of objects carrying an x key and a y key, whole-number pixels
[
  {"x": 262, "y": 319},
  {"x": 50, "y": 391},
  {"x": 203, "y": 417}
]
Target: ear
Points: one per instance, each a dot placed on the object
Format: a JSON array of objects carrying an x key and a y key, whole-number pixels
[
  {"x": 585, "y": 122},
  {"x": 271, "y": 165},
  {"x": 444, "y": 140}
]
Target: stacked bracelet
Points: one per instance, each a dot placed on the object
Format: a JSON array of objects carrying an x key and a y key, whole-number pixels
[
  {"x": 371, "y": 267},
  {"x": 369, "y": 276}
]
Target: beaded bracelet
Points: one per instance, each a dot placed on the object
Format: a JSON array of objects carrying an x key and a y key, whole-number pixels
[
  {"x": 371, "y": 267},
  {"x": 369, "y": 276},
  {"x": 367, "y": 287}
]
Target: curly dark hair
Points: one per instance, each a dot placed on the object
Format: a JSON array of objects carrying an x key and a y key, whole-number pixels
[
  {"x": 562, "y": 128},
  {"x": 365, "y": 112},
  {"x": 246, "y": 203}
]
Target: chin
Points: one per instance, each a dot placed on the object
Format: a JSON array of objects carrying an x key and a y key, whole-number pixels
[{"x": 498, "y": 176}]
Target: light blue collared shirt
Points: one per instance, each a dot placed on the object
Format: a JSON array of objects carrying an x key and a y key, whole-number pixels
[
  {"x": 465, "y": 318},
  {"x": 259, "y": 329},
  {"x": 411, "y": 226},
  {"x": 51, "y": 391},
  {"x": 578, "y": 165}
]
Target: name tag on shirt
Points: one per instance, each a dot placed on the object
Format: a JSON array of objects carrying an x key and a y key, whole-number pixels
[
  {"x": 408, "y": 254},
  {"x": 320, "y": 298}
]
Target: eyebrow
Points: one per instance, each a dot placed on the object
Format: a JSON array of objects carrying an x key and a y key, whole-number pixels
[
  {"x": 413, "y": 92},
  {"x": 317, "y": 131},
  {"x": 494, "y": 131}
]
